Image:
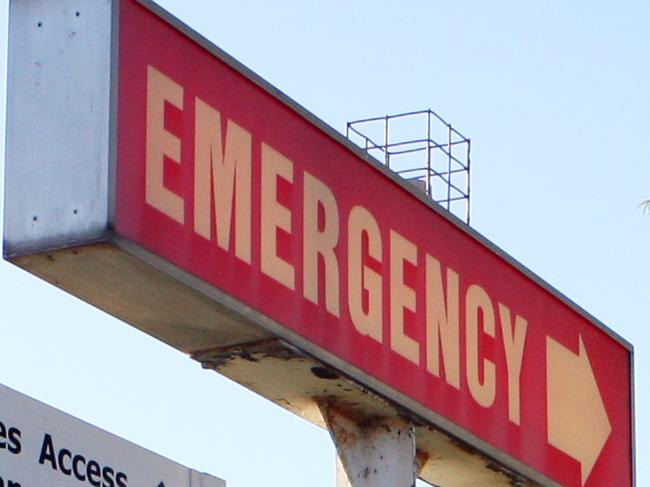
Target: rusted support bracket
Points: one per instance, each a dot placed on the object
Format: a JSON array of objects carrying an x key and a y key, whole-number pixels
[{"x": 377, "y": 453}]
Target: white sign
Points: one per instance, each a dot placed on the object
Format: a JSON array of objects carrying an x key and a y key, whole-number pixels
[{"x": 43, "y": 447}]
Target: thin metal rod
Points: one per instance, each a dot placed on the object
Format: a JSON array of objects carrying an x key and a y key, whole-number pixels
[
  {"x": 429, "y": 186},
  {"x": 399, "y": 115},
  {"x": 469, "y": 181},
  {"x": 433, "y": 172},
  {"x": 449, "y": 168},
  {"x": 386, "y": 141},
  {"x": 407, "y": 114}
]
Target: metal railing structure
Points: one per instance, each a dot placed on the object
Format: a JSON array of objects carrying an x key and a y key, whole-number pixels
[{"x": 424, "y": 149}]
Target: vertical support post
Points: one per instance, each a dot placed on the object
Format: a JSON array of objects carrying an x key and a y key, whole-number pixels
[
  {"x": 386, "y": 145},
  {"x": 342, "y": 476},
  {"x": 429, "y": 182},
  {"x": 468, "y": 180},
  {"x": 378, "y": 453},
  {"x": 449, "y": 156}
]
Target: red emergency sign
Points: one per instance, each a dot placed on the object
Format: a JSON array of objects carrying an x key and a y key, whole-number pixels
[{"x": 222, "y": 178}]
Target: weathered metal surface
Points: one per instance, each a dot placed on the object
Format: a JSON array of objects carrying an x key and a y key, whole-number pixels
[
  {"x": 380, "y": 453},
  {"x": 302, "y": 384},
  {"x": 142, "y": 295},
  {"x": 58, "y": 116}
]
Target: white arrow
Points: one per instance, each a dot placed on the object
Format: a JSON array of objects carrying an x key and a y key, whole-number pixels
[{"x": 577, "y": 420}]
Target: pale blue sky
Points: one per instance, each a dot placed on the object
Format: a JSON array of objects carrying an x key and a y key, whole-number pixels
[{"x": 555, "y": 96}]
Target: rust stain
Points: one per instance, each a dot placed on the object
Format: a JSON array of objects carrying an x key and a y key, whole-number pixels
[{"x": 218, "y": 357}]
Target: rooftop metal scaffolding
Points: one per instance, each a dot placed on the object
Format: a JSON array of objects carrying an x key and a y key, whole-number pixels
[{"x": 424, "y": 149}]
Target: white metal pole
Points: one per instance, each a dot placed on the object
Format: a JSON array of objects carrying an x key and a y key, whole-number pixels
[{"x": 376, "y": 453}]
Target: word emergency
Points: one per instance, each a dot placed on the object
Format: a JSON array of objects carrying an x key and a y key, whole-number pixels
[{"x": 356, "y": 270}]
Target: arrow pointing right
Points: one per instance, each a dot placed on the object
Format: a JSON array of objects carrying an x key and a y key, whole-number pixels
[{"x": 577, "y": 420}]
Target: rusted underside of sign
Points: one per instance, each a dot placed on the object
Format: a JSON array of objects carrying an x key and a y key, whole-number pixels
[{"x": 230, "y": 339}]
